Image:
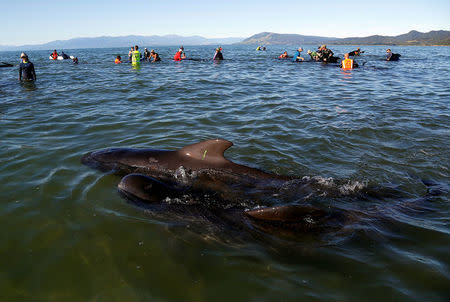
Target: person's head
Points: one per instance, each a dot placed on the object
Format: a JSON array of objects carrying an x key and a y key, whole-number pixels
[
  {"x": 152, "y": 52},
  {"x": 358, "y": 49},
  {"x": 181, "y": 48},
  {"x": 388, "y": 50},
  {"x": 119, "y": 57},
  {"x": 132, "y": 47},
  {"x": 54, "y": 50},
  {"x": 300, "y": 49},
  {"x": 285, "y": 52},
  {"x": 24, "y": 56},
  {"x": 218, "y": 49},
  {"x": 346, "y": 56},
  {"x": 136, "y": 47}
]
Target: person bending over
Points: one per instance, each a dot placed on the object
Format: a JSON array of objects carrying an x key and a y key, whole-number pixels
[
  {"x": 390, "y": 56},
  {"x": 297, "y": 56}
]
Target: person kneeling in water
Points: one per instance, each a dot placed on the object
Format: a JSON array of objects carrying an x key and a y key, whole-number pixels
[
  {"x": 284, "y": 55},
  {"x": 392, "y": 56},
  {"x": 26, "y": 69},
  {"x": 348, "y": 63}
]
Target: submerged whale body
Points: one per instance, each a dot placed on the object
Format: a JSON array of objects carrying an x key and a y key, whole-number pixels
[{"x": 198, "y": 181}]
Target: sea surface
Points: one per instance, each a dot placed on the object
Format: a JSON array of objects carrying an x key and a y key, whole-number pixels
[{"x": 67, "y": 235}]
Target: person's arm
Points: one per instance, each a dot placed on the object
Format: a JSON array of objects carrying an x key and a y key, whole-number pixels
[
  {"x": 388, "y": 57},
  {"x": 33, "y": 72},
  {"x": 20, "y": 72}
]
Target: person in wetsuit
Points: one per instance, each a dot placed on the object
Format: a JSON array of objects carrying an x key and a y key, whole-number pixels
[
  {"x": 26, "y": 69},
  {"x": 392, "y": 56},
  {"x": 130, "y": 53},
  {"x": 218, "y": 55},
  {"x": 325, "y": 54},
  {"x": 355, "y": 53},
  {"x": 155, "y": 56},
  {"x": 146, "y": 55}
]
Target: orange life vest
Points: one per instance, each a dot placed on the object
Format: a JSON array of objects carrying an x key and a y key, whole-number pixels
[
  {"x": 54, "y": 55},
  {"x": 117, "y": 61},
  {"x": 347, "y": 64},
  {"x": 177, "y": 56}
]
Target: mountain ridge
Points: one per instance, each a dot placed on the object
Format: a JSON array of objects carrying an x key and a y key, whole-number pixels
[
  {"x": 436, "y": 37},
  {"x": 124, "y": 41}
]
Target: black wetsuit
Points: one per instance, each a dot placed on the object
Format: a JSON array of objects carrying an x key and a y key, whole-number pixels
[
  {"x": 392, "y": 56},
  {"x": 146, "y": 55},
  {"x": 325, "y": 55},
  {"x": 26, "y": 71},
  {"x": 218, "y": 56},
  {"x": 156, "y": 58},
  {"x": 64, "y": 56},
  {"x": 355, "y": 53}
]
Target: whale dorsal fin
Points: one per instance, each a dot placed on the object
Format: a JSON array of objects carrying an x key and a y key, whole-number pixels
[{"x": 209, "y": 150}]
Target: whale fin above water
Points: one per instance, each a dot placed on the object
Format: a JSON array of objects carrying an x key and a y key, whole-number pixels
[{"x": 209, "y": 150}]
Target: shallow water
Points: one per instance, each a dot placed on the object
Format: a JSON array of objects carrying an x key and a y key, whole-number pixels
[{"x": 68, "y": 236}]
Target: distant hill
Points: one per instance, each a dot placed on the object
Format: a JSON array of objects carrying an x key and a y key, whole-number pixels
[
  {"x": 441, "y": 37},
  {"x": 125, "y": 41}
]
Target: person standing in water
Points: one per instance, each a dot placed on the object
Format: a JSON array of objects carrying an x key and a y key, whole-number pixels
[
  {"x": 348, "y": 63},
  {"x": 26, "y": 69},
  {"x": 130, "y": 53},
  {"x": 180, "y": 55},
  {"x": 146, "y": 55},
  {"x": 136, "y": 56},
  {"x": 54, "y": 55},
  {"x": 218, "y": 55}
]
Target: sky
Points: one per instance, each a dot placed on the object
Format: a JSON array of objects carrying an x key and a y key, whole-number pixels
[{"x": 36, "y": 22}]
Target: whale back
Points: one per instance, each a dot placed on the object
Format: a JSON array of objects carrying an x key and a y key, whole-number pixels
[{"x": 211, "y": 151}]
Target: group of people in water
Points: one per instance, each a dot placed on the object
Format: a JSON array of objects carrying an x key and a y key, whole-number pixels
[
  {"x": 135, "y": 56},
  {"x": 323, "y": 54},
  {"x": 326, "y": 55},
  {"x": 62, "y": 56}
]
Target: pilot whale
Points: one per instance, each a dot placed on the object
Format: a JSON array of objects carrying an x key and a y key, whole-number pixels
[
  {"x": 198, "y": 179},
  {"x": 203, "y": 167}
]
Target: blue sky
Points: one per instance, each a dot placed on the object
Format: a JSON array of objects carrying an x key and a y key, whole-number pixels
[{"x": 34, "y": 22}]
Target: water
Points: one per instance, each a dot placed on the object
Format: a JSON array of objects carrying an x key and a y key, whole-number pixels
[{"x": 68, "y": 236}]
